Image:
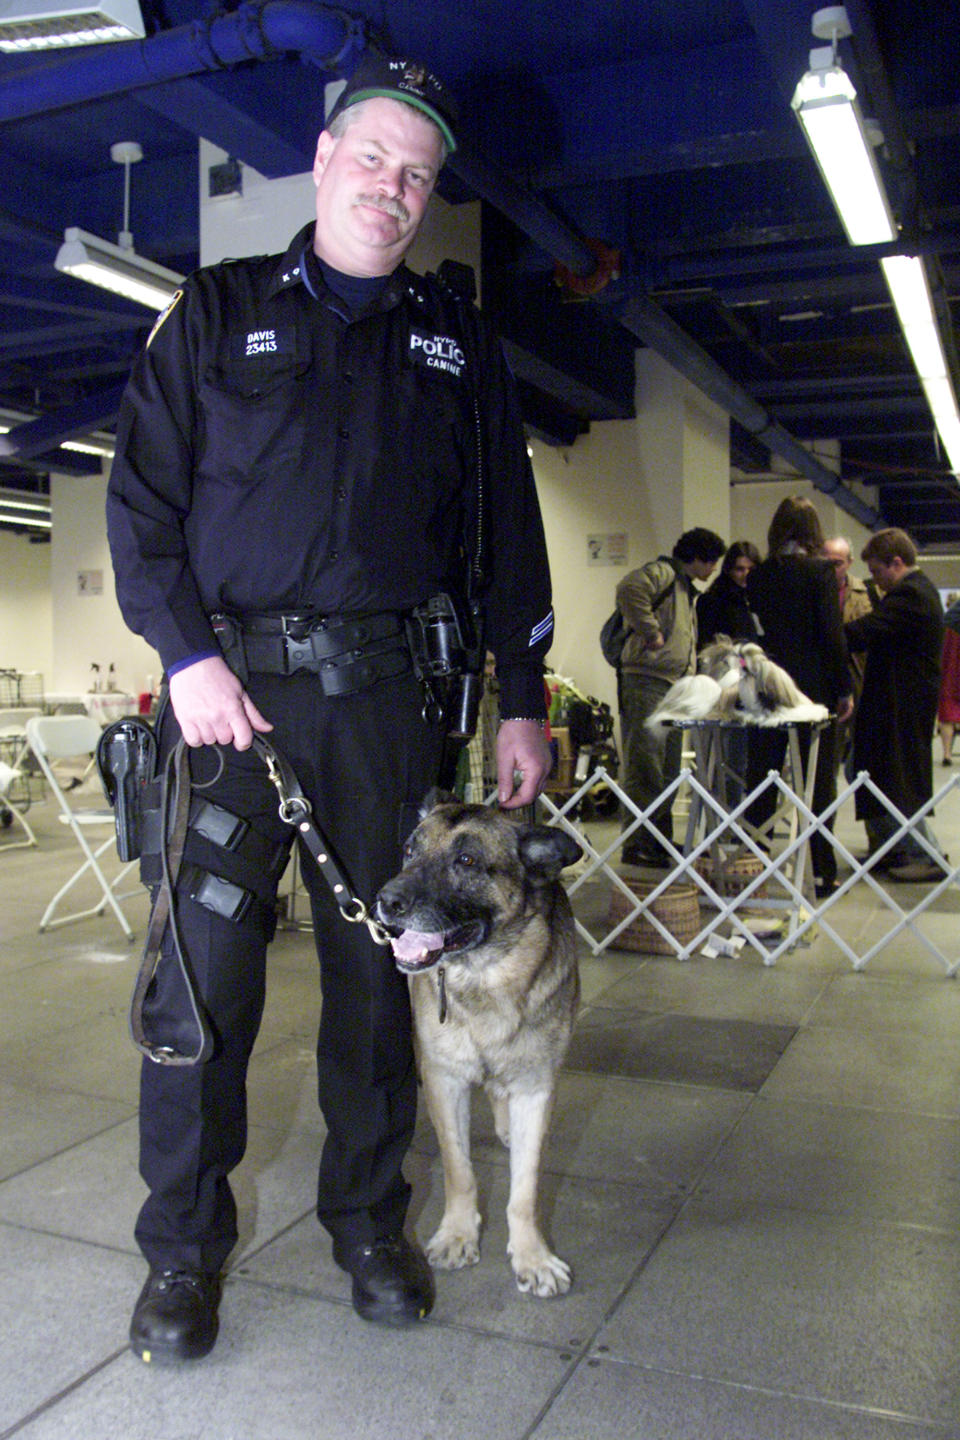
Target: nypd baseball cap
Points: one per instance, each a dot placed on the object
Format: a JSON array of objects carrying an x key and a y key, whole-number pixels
[{"x": 379, "y": 76}]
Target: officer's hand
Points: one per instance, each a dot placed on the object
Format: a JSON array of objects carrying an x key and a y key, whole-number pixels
[
  {"x": 212, "y": 707},
  {"x": 521, "y": 750}
]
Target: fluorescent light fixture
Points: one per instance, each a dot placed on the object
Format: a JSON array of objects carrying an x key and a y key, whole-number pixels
[
  {"x": 24, "y": 510},
  {"x": 909, "y": 288},
  {"x": 42, "y": 507},
  {"x": 48, "y": 24},
  {"x": 117, "y": 268},
  {"x": 25, "y": 523},
  {"x": 826, "y": 106},
  {"x": 90, "y": 446}
]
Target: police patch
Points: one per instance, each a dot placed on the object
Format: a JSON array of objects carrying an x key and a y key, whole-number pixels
[
  {"x": 171, "y": 304},
  {"x": 265, "y": 340},
  {"x": 436, "y": 352}
]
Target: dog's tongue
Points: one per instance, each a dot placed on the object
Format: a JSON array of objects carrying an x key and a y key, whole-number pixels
[{"x": 416, "y": 944}]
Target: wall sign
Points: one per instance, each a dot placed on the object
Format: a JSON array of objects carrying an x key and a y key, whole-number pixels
[
  {"x": 89, "y": 582},
  {"x": 607, "y": 549}
]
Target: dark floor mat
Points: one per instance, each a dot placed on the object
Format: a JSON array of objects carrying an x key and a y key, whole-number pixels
[{"x": 731, "y": 1054}]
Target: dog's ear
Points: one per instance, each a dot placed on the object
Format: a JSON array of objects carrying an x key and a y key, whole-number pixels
[
  {"x": 544, "y": 850},
  {"x": 432, "y": 799}
]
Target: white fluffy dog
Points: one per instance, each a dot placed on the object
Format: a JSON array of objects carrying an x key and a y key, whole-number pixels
[{"x": 736, "y": 682}]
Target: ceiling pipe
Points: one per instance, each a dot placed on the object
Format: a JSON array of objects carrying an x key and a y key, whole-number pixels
[
  {"x": 655, "y": 328},
  {"x": 327, "y": 38},
  {"x": 334, "y": 41}
]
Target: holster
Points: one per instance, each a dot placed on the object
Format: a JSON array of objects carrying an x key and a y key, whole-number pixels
[{"x": 127, "y": 763}]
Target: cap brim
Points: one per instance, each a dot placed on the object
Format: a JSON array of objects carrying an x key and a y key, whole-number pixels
[{"x": 375, "y": 92}]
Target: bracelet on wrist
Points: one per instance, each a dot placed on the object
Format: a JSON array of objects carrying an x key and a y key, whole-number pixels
[{"x": 527, "y": 719}]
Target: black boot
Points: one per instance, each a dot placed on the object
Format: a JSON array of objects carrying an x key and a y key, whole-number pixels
[
  {"x": 175, "y": 1317},
  {"x": 392, "y": 1281}
]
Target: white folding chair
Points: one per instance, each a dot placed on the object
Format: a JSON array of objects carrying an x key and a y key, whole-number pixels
[
  {"x": 14, "y": 779},
  {"x": 13, "y": 733},
  {"x": 9, "y": 811},
  {"x": 62, "y": 737}
]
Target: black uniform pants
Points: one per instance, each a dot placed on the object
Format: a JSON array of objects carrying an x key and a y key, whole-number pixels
[{"x": 364, "y": 761}]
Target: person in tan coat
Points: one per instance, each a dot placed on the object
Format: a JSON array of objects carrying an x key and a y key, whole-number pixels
[
  {"x": 657, "y": 602},
  {"x": 855, "y": 601}
]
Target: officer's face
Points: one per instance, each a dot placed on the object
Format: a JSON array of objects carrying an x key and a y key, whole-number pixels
[{"x": 373, "y": 184}]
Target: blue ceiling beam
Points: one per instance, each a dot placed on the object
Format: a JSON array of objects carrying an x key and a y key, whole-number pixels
[
  {"x": 224, "y": 110},
  {"x": 39, "y": 437}
]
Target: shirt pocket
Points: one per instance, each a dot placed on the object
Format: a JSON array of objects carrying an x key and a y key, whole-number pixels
[{"x": 254, "y": 416}]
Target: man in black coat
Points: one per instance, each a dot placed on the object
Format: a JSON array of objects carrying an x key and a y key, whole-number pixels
[{"x": 893, "y": 738}]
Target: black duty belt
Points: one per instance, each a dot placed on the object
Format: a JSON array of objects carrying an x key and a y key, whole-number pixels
[{"x": 347, "y": 653}]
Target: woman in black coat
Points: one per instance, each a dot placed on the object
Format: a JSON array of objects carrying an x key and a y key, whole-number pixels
[
  {"x": 793, "y": 594},
  {"x": 724, "y": 609}
]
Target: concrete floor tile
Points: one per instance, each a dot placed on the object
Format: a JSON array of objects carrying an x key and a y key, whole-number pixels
[
  {"x": 287, "y": 1367},
  {"x": 726, "y": 988},
  {"x": 89, "y": 1193},
  {"x": 275, "y": 1186},
  {"x": 865, "y": 1000},
  {"x": 39, "y": 1124},
  {"x": 94, "y": 1192},
  {"x": 882, "y": 1070},
  {"x": 728, "y": 1054},
  {"x": 780, "y": 1265},
  {"x": 604, "y": 1401},
  {"x": 39, "y": 999},
  {"x": 599, "y": 972},
  {"x": 91, "y": 1057},
  {"x": 64, "y": 1310},
  {"x": 829, "y": 1308},
  {"x": 603, "y": 1232},
  {"x": 282, "y": 1086},
  {"x": 826, "y": 1157},
  {"x": 655, "y": 1137}
]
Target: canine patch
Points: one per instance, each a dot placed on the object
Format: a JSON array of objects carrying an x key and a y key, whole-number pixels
[
  {"x": 484, "y": 929},
  {"x": 436, "y": 352}
]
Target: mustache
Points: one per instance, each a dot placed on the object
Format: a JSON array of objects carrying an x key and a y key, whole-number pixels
[{"x": 395, "y": 208}]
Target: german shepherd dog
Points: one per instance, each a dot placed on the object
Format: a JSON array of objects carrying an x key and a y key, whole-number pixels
[{"x": 484, "y": 930}]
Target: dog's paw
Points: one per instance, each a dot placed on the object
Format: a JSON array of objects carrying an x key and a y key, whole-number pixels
[
  {"x": 542, "y": 1274},
  {"x": 453, "y": 1249}
]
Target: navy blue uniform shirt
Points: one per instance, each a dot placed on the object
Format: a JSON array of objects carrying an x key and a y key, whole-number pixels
[{"x": 275, "y": 452}]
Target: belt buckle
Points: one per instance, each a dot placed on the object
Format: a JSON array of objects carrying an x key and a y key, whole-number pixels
[{"x": 299, "y": 626}]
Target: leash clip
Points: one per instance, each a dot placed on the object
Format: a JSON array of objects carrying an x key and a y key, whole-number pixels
[
  {"x": 360, "y": 915},
  {"x": 293, "y": 808}
]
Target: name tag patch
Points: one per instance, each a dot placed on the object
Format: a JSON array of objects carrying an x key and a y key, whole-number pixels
[
  {"x": 270, "y": 340},
  {"x": 436, "y": 352}
]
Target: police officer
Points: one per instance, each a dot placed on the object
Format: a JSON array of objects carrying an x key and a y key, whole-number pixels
[{"x": 304, "y": 452}]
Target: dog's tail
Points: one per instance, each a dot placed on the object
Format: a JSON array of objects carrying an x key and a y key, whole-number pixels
[{"x": 691, "y": 698}]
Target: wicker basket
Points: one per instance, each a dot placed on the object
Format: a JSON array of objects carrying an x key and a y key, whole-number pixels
[
  {"x": 676, "y": 907},
  {"x": 736, "y": 874}
]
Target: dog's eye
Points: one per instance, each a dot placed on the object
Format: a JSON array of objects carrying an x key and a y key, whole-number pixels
[{"x": 465, "y": 859}]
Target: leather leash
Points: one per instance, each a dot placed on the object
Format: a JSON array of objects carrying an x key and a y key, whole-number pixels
[{"x": 294, "y": 810}]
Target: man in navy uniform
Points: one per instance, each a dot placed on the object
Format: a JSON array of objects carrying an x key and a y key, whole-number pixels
[{"x": 300, "y": 453}]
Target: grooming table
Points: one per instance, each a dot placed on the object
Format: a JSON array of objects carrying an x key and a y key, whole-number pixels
[{"x": 724, "y": 848}]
